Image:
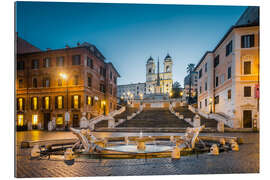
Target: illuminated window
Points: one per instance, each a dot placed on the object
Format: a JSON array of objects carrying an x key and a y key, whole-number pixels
[
  {"x": 59, "y": 119},
  {"x": 34, "y": 119},
  {"x": 20, "y": 120},
  {"x": 60, "y": 102},
  {"x": 20, "y": 104},
  {"x": 34, "y": 103},
  {"x": 76, "y": 101},
  {"x": 47, "y": 103},
  {"x": 59, "y": 82},
  {"x": 89, "y": 100}
]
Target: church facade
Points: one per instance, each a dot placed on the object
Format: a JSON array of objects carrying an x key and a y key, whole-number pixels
[
  {"x": 159, "y": 82},
  {"x": 156, "y": 82}
]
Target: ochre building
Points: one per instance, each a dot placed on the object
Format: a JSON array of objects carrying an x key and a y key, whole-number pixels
[{"x": 51, "y": 83}]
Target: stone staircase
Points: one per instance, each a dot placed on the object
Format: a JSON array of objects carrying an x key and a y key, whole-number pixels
[
  {"x": 155, "y": 118},
  {"x": 123, "y": 115},
  {"x": 183, "y": 110}
]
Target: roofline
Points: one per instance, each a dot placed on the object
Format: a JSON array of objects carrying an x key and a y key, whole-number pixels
[
  {"x": 130, "y": 84},
  {"x": 65, "y": 49},
  {"x": 201, "y": 60},
  {"x": 114, "y": 68},
  {"x": 223, "y": 38}
]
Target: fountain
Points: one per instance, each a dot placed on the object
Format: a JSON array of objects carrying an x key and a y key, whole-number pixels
[{"x": 90, "y": 146}]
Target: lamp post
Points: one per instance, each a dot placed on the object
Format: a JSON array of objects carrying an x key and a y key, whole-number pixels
[{"x": 64, "y": 76}]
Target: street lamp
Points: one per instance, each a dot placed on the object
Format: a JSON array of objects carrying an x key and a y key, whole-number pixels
[
  {"x": 210, "y": 100},
  {"x": 181, "y": 95},
  {"x": 64, "y": 76}
]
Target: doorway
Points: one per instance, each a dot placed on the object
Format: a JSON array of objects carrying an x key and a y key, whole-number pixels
[
  {"x": 76, "y": 121},
  {"x": 247, "y": 119},
  {"x": 47, "y": 118}
]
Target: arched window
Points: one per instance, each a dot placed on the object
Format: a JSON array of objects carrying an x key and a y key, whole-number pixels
[
  {"x": 150, "y": 70},
  {"x": 167, "y": 68},
  {"x": 35, "y": 83}
]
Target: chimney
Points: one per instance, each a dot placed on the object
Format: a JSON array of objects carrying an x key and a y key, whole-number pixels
[
  {"x": 67, "y": 46},
  {"x": 78, "y": 44}
]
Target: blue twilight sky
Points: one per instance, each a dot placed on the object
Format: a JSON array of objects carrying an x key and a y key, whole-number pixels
[{"x": 127, "y": 34}]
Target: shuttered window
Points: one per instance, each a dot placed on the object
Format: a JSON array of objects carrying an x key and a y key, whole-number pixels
[
  {"x": 247, "y": 41},
  {"x": 247, "y": 91},
  {"x": 76, "y": 60},
  {"x": 247, "y": 67}
]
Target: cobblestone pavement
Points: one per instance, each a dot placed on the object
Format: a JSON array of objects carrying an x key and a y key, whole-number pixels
[{"x": 244, "y": 161}]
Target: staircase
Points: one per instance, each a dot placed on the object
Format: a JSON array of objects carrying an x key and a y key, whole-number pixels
[
  {"x": 155, "y": 118},
  {"x": 189, "y": 114},
  {"x": 123, "y": 115}
]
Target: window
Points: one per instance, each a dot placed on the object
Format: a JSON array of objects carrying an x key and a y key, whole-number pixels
[
  {"x": 216, "y": 81},
  {"x": 229, "y": 72},
  {"x": 115, "y": 80},
  {"x": 20, "y": 120},
  {"x": 229, "y": 48},
  {"x": 216, "y": 61},
  {"x": 205, "y": 86},
  {"x": 247, "y": 91},
  {"x": 20, "y": 104},
  {"x": 34, "y": 103},
  {"x": 76, "y": 102},
  {"x": 229, "y": 94},
  {"x": 20, "y": 83},
  {"x": 59, "y": 83},
  {"x": 149, "y": 70},
  {"x": 90, "y": 62},
  {"x": 60, "y": 61},
  {"x": 46, "y": 62},
  {"x": 200, "y": 73},
  {"x": 34, "y": 119},
  {"x": 200, "y": 89},
  {"x": 205, "y": 102},
  {"x": 102, "y": 71},
  {"x": 102, "y": 88},
  {"x": 200, "y": 104},
  {"x": 20, "y": 65},
  {"x": 89, "y": 82},
  {"x": 76, "y": 80},
  {"x": 205, "y": 67},
  {"x": 76, "y": 60},
  {"x": 59, "y": 102},
  {"x": 247, "y": 67},
  {"x": 222, "y": 78},
  {"x": 46, "y": 102},
  {"x": 59, "y": 119},
  {"x": 217, "y": 100},
  {"x": 35, "y": 64},
  {"x": 247, "y": 41},
  {"x": 35, "y": 83},
  {"x": 46, "y": 82},
  {"x": 89, "y": 100},
  {"x": 110, "y": 75}
]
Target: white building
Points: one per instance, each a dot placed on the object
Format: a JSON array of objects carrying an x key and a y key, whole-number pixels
[{"x": 131, "y": 91}]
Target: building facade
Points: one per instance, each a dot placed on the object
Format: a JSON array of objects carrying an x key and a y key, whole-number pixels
[
  {"x": 51, "y": 83},
  {"x": 131, "y": 91},
  {"x": 228, "y": 76},
  {"x": 159, "y": 82}
]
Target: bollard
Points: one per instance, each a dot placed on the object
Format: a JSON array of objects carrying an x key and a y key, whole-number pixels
[
  {"x": 69, "y": 155},
  {"x": 222, "y": 141},
  {"x": 176, "y": 154},
  {"x": 214, "y": 150},
  {"x": 220, "y": 127},
  {"x": 234, "y": 145},
  {"x": 35, "y": 152}
]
